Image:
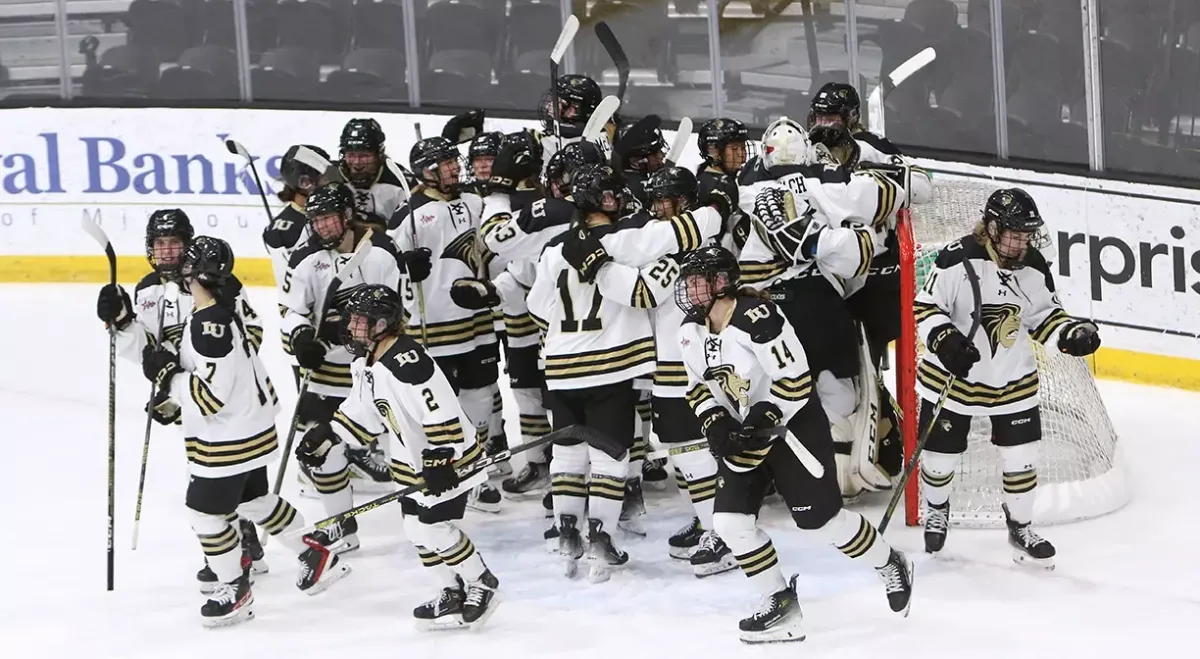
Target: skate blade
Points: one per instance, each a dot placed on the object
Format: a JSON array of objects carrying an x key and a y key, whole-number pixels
[
  {"x": 480, "y": 507},
  {"x": 727, "y": 563},
  {"x": 570, "y": 567},
  {"x": 632, "y": 526},
  {"x": 448, "y": 623},
  {"x": 789, "y": 635},
  {"x": 681, "y": 553},
  {"x": 259, "y": 567},
  {"x": 1027, "y": 561},
  {"x": 246, "y": 612},
  {"x": 478, "y": 624},
  {"x": 331, "y": 576},
  {"x": 308, "y": 492}
]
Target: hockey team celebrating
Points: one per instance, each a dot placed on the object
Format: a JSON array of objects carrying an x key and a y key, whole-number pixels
[{"x": 737, "y": 315}]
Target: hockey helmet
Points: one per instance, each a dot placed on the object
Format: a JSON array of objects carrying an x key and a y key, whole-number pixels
[
  {"x": 705, "y": 276},
  {"x": 165, "y": 256},
  {"x": 1011, "y": 223},
  {"x": 642, "y": 149},
  {"x": 835, "y": 99},
  {"x": 362, "y": 151},
  {"x": 578, "y": 97},
  {"x": 326, "y": 202},
  {"x": 527, "y": 149},
  {"x": 303, "y": 167},
  {"x": 208, "y": 261},
  {"x": 369, "y": 314},
  {"x": 785, "y": 142},
  {"x": 436, "y": 161},
  {"x": 597, "y": 189},
  {"x": 560, "y": 171},
  {"x": 487, "y": 146},
  {"x": 717, "y": 134},
  {"x": 671, "y": 191}
]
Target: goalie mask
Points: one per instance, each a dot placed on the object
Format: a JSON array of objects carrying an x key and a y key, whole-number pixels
[
  {"x": 371, "y": 314},
  {"x": 1011, "y": 224},
  {"x": 362, "y": 154},
  {"x": 671, "y": 191},
  {"x": 168, "y": 233},
  {"x": 209, "y": 262},
  {"x": 785, "y": 143},
  {"x": 724, "y": 144},
  {"x": 578, "y": 97},
  {"x": 482, "y": 153},
  {"x": 437, "y": 163},
  {"x": 705, "y": 276},
  {"x": 329, "y": 210}
]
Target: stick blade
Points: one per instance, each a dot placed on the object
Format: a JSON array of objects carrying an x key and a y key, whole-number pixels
[
  {"x": 682, "y": 137},
  {"x": 569, "y": 28},
  {"x": 912, "y": 65},
  {"x": 600, "y": 118},
  {"x": 613, "y": 47},
  {"x": 95, "y": 232}
]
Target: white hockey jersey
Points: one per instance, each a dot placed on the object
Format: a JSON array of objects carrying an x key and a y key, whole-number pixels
[
  {"x": 303, "y": 291},
  {"x": 1016, "y": 305},
  {"x": 838, "y": 211},
  {"x": 506, "y": 216},
  {"x": 449, "y": 228},
  {"x": 149, "y": 298},
  {"x": 288, "y": 232},
  {"x": 405, "y": 398},
  {"x": 519, "y": 232},
  {"x": 877, "y": 149},
  {"x": 755, "y": 358},
  {"x": 383, "y": 198},
  {"x": 227, "y": 403}
]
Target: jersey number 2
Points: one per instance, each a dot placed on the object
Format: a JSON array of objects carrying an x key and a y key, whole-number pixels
[{"x": 590, "y": 324}]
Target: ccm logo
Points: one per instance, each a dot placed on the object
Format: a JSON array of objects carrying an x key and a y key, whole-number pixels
[{"x": 1021, "y": 421}]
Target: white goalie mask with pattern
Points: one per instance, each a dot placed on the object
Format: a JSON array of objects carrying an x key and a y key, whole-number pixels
[{"x": 785, "y": 142}]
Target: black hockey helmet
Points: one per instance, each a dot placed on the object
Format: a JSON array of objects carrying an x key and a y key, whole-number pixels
[
  {"x": 560, "y": 171},
  {"x": 362, "y": 314},
  {"x": 298, "y": 169},
  {"x": 597, "y": 188},
  {"x": 641, "y": 149},
  {"x": 329, "y": 199},
  {"x": 835, "y": 99},
  {"x": 168, "y": 223},
  {"x": 705, "y": 276},
  {"x": 578, "y": 97},
  {"x": 485, "y": 145},
  {"x": 719, "y": 133},
  {"x": 209, "y": 261},
  {"x": 528, "y": 143},
  {"x": 676, "y": 184},
  {"x": 1011, "y": 223},
  {"x": 431, "y": 160},
  {"x": 362, "y": 135}
]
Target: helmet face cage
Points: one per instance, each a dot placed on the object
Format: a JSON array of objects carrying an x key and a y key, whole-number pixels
[
  {"x": 1012, "y": 224},
  {"x": 370, "y": 314},
  {"x": 731, "y": 141},
  {"x": 164, "y": 257},
  {"x": 705, "y": 276},
  {"x": 482, "y": 153},
  {"x": 671, "y": 183},
  {"x": 560, "y": 171},
  {"x": 362, "y": 153},
  {"x": 437, "y": 162},
  {"x": 835, "y": 99},
  {"x": 333, "y": 199},
  {"x": 208, "y": 261},
  {"x": 597, "y": 189},
  {"x": 648, "y": 157}
]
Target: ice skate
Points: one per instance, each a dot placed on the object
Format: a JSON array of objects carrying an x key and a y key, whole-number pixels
[
  {"x": 603, "y": 556},
  {"x": 570, "y": 543},
  {"x": 481, "y": 600},
  {"x": 230, "y": 603},
  {"x": 308, "y": 489},
  {"x": 550, "y": 536},
  {"x": 897, "y": 576},
  {"x": 320, "y": 566},
  {"x": 532, "y": 479},
  {"x": 548, "y": 505},
  {"x": 251, "y": 546},
  {"x": 654, "y": 476},
  {"x": 937, "y": 525},
  {"x": 684, "y": 541},
  {"x": 444, "y": 611},
  {"x": 493, "y": 446},
  {"x": 633, "y": 508},
  {"x": 369, "y": 470},
  {"x": 1029, "y": 548},
  {"x": 208, "y": 581},
  {"x": 712, "y": 556},
  {"x": 777, "y": 620},
  {"x": 484, "y": 498}
]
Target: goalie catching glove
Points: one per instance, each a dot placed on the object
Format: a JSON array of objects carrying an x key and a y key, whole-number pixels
[{"x": 789, "y": 233}]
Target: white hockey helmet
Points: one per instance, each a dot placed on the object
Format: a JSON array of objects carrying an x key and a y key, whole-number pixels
[{"x": 785, "y": 142}]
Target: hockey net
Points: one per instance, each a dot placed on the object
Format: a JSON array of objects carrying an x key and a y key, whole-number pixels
[{"x": 1080, "y": 474}]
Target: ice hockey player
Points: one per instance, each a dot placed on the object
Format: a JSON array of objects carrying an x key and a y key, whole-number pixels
[
  {"x": 748, "y": 375},
  {"x": 443, "y": 219},
  {"x": 578, "y": 97},
  {"x": 377, "y": 190},
  {"x": 814, "y": 231},
  {"x": 319, "y": 349},
  {"x": 401, "y": 397},
  {"x": 994, "y": 374},
  {"x": 154, "y": 317},
  {"x": 724, "y": 147},
  {"x": 481, "y": 154},
  {"x": 216, "y": 383},
  {"x": 643, "y": 151},
  {"x": 672, "y": 192}
]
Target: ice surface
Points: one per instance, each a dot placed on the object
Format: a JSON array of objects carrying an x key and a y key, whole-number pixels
[{"x": 1125, "y": 584}]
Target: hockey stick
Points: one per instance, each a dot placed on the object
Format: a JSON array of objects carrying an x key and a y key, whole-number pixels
[
  {"x": 901, "y": 73},
  {"x": 170, "y": 292},
  {"x": 702, "y": 444},
  {"x": 565, "y": 37},
  {"x": 595, "y": 439},
  {"x": 237, "y": 149},
  {"x": 98, "y": 234},
  {"x": 600, "y": 118},
  {"x": 355, "y": 261},
  {"x": 413, "y": 226},
  {"x": 898, "y": 489},
  {"x": 681, "y": 140},
  {"x": 613, "y": 47}
]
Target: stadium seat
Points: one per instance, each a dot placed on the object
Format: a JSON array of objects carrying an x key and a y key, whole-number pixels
[
  {"x": 219, "y": 30},
  {"x": 644, "y": 31},
  {"x": 203, "y": 72},
  {"x": 368, "y": 74},
  {"x": 442, "y": 87},
  {"x": 457, "y": 25},
  {"x": 161, "y": 25},
  {"x": 314, "y": 24},
  {"x": 533, "y": 27},
  {"x": 1034, "y": 62},
  {"x": 122, "y": 71},
  {"x": 286, "y": 74},
  {"x": 379, "y": 24}
]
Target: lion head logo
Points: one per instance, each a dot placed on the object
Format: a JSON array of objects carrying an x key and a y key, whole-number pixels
[
  {"x": 1002, "y": 323},
  {"x": 736, "y": 387}
]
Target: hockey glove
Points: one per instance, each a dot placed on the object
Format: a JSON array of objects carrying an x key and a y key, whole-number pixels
[
  {"x": 113, "y": 306},
  {"x": 331, "y": 328},
  {"x": 1079, "y": 339},
  {"x": 953, "y": 350},
  {"x": 159, "y": 365},
  {"x": 462, "y": 128},
  {"x": 437, "y": 470},
  {"x": 315, "y": 446},
  {"x": 418, "y": 263},
  {"x": 722, "y": 201},
  {"x": 508, "y": 166},
  {"x": 474, "y": 294},
  {"x": 584, "y": 252},
  {"x": 721, "y": 431},
  {"x": 163, "y": 409},
  {"x": 762, "y": 415},
  {"x": 309, "y": 352}
]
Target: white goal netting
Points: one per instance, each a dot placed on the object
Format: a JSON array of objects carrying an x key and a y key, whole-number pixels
[{"x": 1080, "y": 474}]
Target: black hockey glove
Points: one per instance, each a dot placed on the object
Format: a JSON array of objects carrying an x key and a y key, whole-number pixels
[
  {"x": 509, "y": 167},
  {"x": 474, "y": 294},
  {"x": 462, "y": 128},
  {"x": 418, "y": 263},
  {"x": 763, "y": 415},
  {"x": 113, "y": 306},
  {"x": 1079, "y": 339},
  {"x": 722, "y": 201},
  {"x": 159, "y": 365},
  {"x": 437, "y": 470},
  {"x": 584, "y": 252},
  {"x": 952, "y": 348},
  {"x": 316, "y": 445},
  {"x": 163, "y": 409},
  {"x": 722, "y": 432},
  {"x": 331, "y": 328},
  {"x": 309, "y": 352}
]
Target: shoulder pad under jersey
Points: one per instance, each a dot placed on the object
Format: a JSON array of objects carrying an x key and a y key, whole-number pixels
[
  {"x": 285, "y": 230},
  {"x": 151, "y": 279},
  {"x": 761, "y": 319},
  {"x": 212, "y": 331},
  {"x": 414, "y": 202},
  {"x": 408, "y": 362}
]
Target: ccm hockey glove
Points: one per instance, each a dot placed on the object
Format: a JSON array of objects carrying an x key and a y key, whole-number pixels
[
  {"x": 437, "y": 470},
  {"x": 418, "y": 263},
  {"x": 584, "y": 252},
  {"x": 159, "y": 365},
  {"x": 113, "y": 306},
  {"x": 474, "y": 294},
  {"x": 1079, "y": 339},
  {"x": 953, "y": 350},
  {"x": 309, "y": 352},
  {"x": 722, "y": 432},
  {"x": 316, "y": 445}
]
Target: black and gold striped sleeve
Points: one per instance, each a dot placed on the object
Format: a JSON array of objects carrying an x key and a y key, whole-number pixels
[
  {"x": 1053, "y": 321},
  {"x": 202, "y": 395},
  {"x": 441, "y": 434},
  {"x": 640, "y": 288}
]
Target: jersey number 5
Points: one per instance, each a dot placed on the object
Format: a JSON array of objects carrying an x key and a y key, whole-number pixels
[{"x": 590, "y": 324}]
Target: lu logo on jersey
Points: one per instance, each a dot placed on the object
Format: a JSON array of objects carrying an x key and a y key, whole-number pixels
[
  {"x": 1002, "y": 322},
  {"x": 736, "y": 387}
]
